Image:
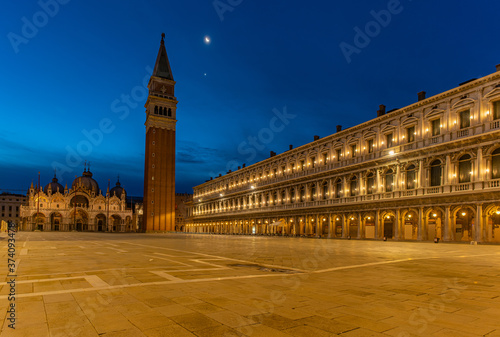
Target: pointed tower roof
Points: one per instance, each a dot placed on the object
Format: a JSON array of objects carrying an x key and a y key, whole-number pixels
[{"x": 162, "y": 66}]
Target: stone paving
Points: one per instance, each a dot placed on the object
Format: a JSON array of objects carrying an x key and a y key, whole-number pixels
[{"x": 90, "y": 284}]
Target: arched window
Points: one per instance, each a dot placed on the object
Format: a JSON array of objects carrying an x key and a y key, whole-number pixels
[
  {"x": 302, "y": 194},
  {"x": 275, "y": 197},
  {"x": 389, "y": 181},
  {"x": 313, "y": 192},
  {"x": 292, "y": 195},
  {"x": 156, "y": 110},
  {"x": 338, "y": 188},
  {"x": 354, "y": 186},
  {"x": 411, "y": 177},
  {"x": 325, "y": 190},
  {"x": 436, "y": 173},
  {"x": 370, "y": 183},
  {"x": 169, "y": 112},
  {"x": 495, "y": 164},
  {"x": 283, "y": 196},
  {"x": 464, "y": 169}
]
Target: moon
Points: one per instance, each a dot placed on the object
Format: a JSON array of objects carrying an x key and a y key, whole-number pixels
[{"x": 207, "y": 39}]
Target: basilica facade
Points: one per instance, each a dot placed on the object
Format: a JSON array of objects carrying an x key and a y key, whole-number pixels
[
  {"x": 83, "y": 207},
  {"x": 428, "y": 171}
]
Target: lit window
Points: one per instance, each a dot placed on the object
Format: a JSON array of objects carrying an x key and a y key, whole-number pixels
[
  {"x": 464, "y": 119},
  {"x": 496, "y": 110},
  {"x": 370, "y": 145},
  {"x": 410, "y": 134},
  {"x": 436, "y": 127},
  {"x": 389, "y": 140}
]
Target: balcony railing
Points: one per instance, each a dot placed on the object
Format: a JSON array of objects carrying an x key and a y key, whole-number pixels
[
  {"x": 430, "y": 191},
  {"x": 494, "y": 183},
  {"x": 464, "y": 187}
]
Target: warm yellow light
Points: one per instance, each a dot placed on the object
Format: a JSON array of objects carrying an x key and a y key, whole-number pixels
[
  {"x": 463, "y": 214},
  {"x": 434, "y": 215}
]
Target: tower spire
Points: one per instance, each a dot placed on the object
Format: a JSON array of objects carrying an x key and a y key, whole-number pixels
[{"x": 162, "y": 66}]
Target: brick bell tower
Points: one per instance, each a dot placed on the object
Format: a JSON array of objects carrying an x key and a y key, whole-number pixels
[{"x": 159, "y": 163}]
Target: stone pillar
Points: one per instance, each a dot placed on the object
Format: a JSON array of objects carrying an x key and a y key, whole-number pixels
[
  {"x": 447, "y": 225},
  {"x": 397, "y": 182},
  {"x": 329, "y": 219},
  {"x": 361, "y": 229},
  {"x": 422, "y": 228},
  {"x": 377, "y": 224},
  {"x": 318, "y": 227},
  {"x": 397, "y": 226},
  {"x": 478, "y": 174},
  {"x": 479, "y": 225},
  {"x": 379, "y": 182},
  {"x": 345, "y": 230}
]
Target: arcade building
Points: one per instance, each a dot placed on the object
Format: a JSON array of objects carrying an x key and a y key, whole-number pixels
[{"x": 427, "y": 171}]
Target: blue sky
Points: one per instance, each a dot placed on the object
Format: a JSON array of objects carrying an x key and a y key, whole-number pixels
[{"x": 70, "y": 68}]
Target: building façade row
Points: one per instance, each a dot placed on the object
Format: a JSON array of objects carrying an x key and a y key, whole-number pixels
[{"x": 428, "y": 170}]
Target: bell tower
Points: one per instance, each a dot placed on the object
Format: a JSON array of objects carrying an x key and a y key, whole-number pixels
[{"x": 159, "y": 163}]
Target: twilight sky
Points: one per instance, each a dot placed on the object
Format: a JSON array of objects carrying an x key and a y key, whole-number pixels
[{"x": 73, "y": 74}]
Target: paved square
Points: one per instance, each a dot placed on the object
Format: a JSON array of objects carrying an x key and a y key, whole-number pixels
[{"x": 90, "y": 284}]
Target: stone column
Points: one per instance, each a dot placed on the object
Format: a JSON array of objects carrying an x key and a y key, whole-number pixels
[
  {"x": 318, "y": 227},
  {"x": 397, "y": 226},
  {"x": 377, "y": 224},
  {"x": 379, "y": 182},
  {"x": 361, "y": 226},
  {"x": 479, "y": 166},
  {"x": 479, "y": 225},
  {"x": 329, "y": 219},
  {"x": 397, "y": 182},
  {"x": 447, "y": 225},
  {"x": 345, "y": 230},
  {"x": 421, "y": 226}
]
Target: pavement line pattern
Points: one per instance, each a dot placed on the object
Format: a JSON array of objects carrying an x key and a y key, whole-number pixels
[
  {"x": 165, "y": 275},
  {"x": 98, "y": 284},
  {"x": 219, "y": 257},
  {"x": 116, "y": 249},
  {"x": 173, "y": 261},
  {"x": 95, "y": 281},
  {"x": 77, "y": 290}
]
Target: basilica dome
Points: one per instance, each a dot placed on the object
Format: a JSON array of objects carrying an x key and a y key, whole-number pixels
[
  {"x": 86, "y": 183},
  {"x": 118, "y": 190},
  {"x": 54, "y": 186}
]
